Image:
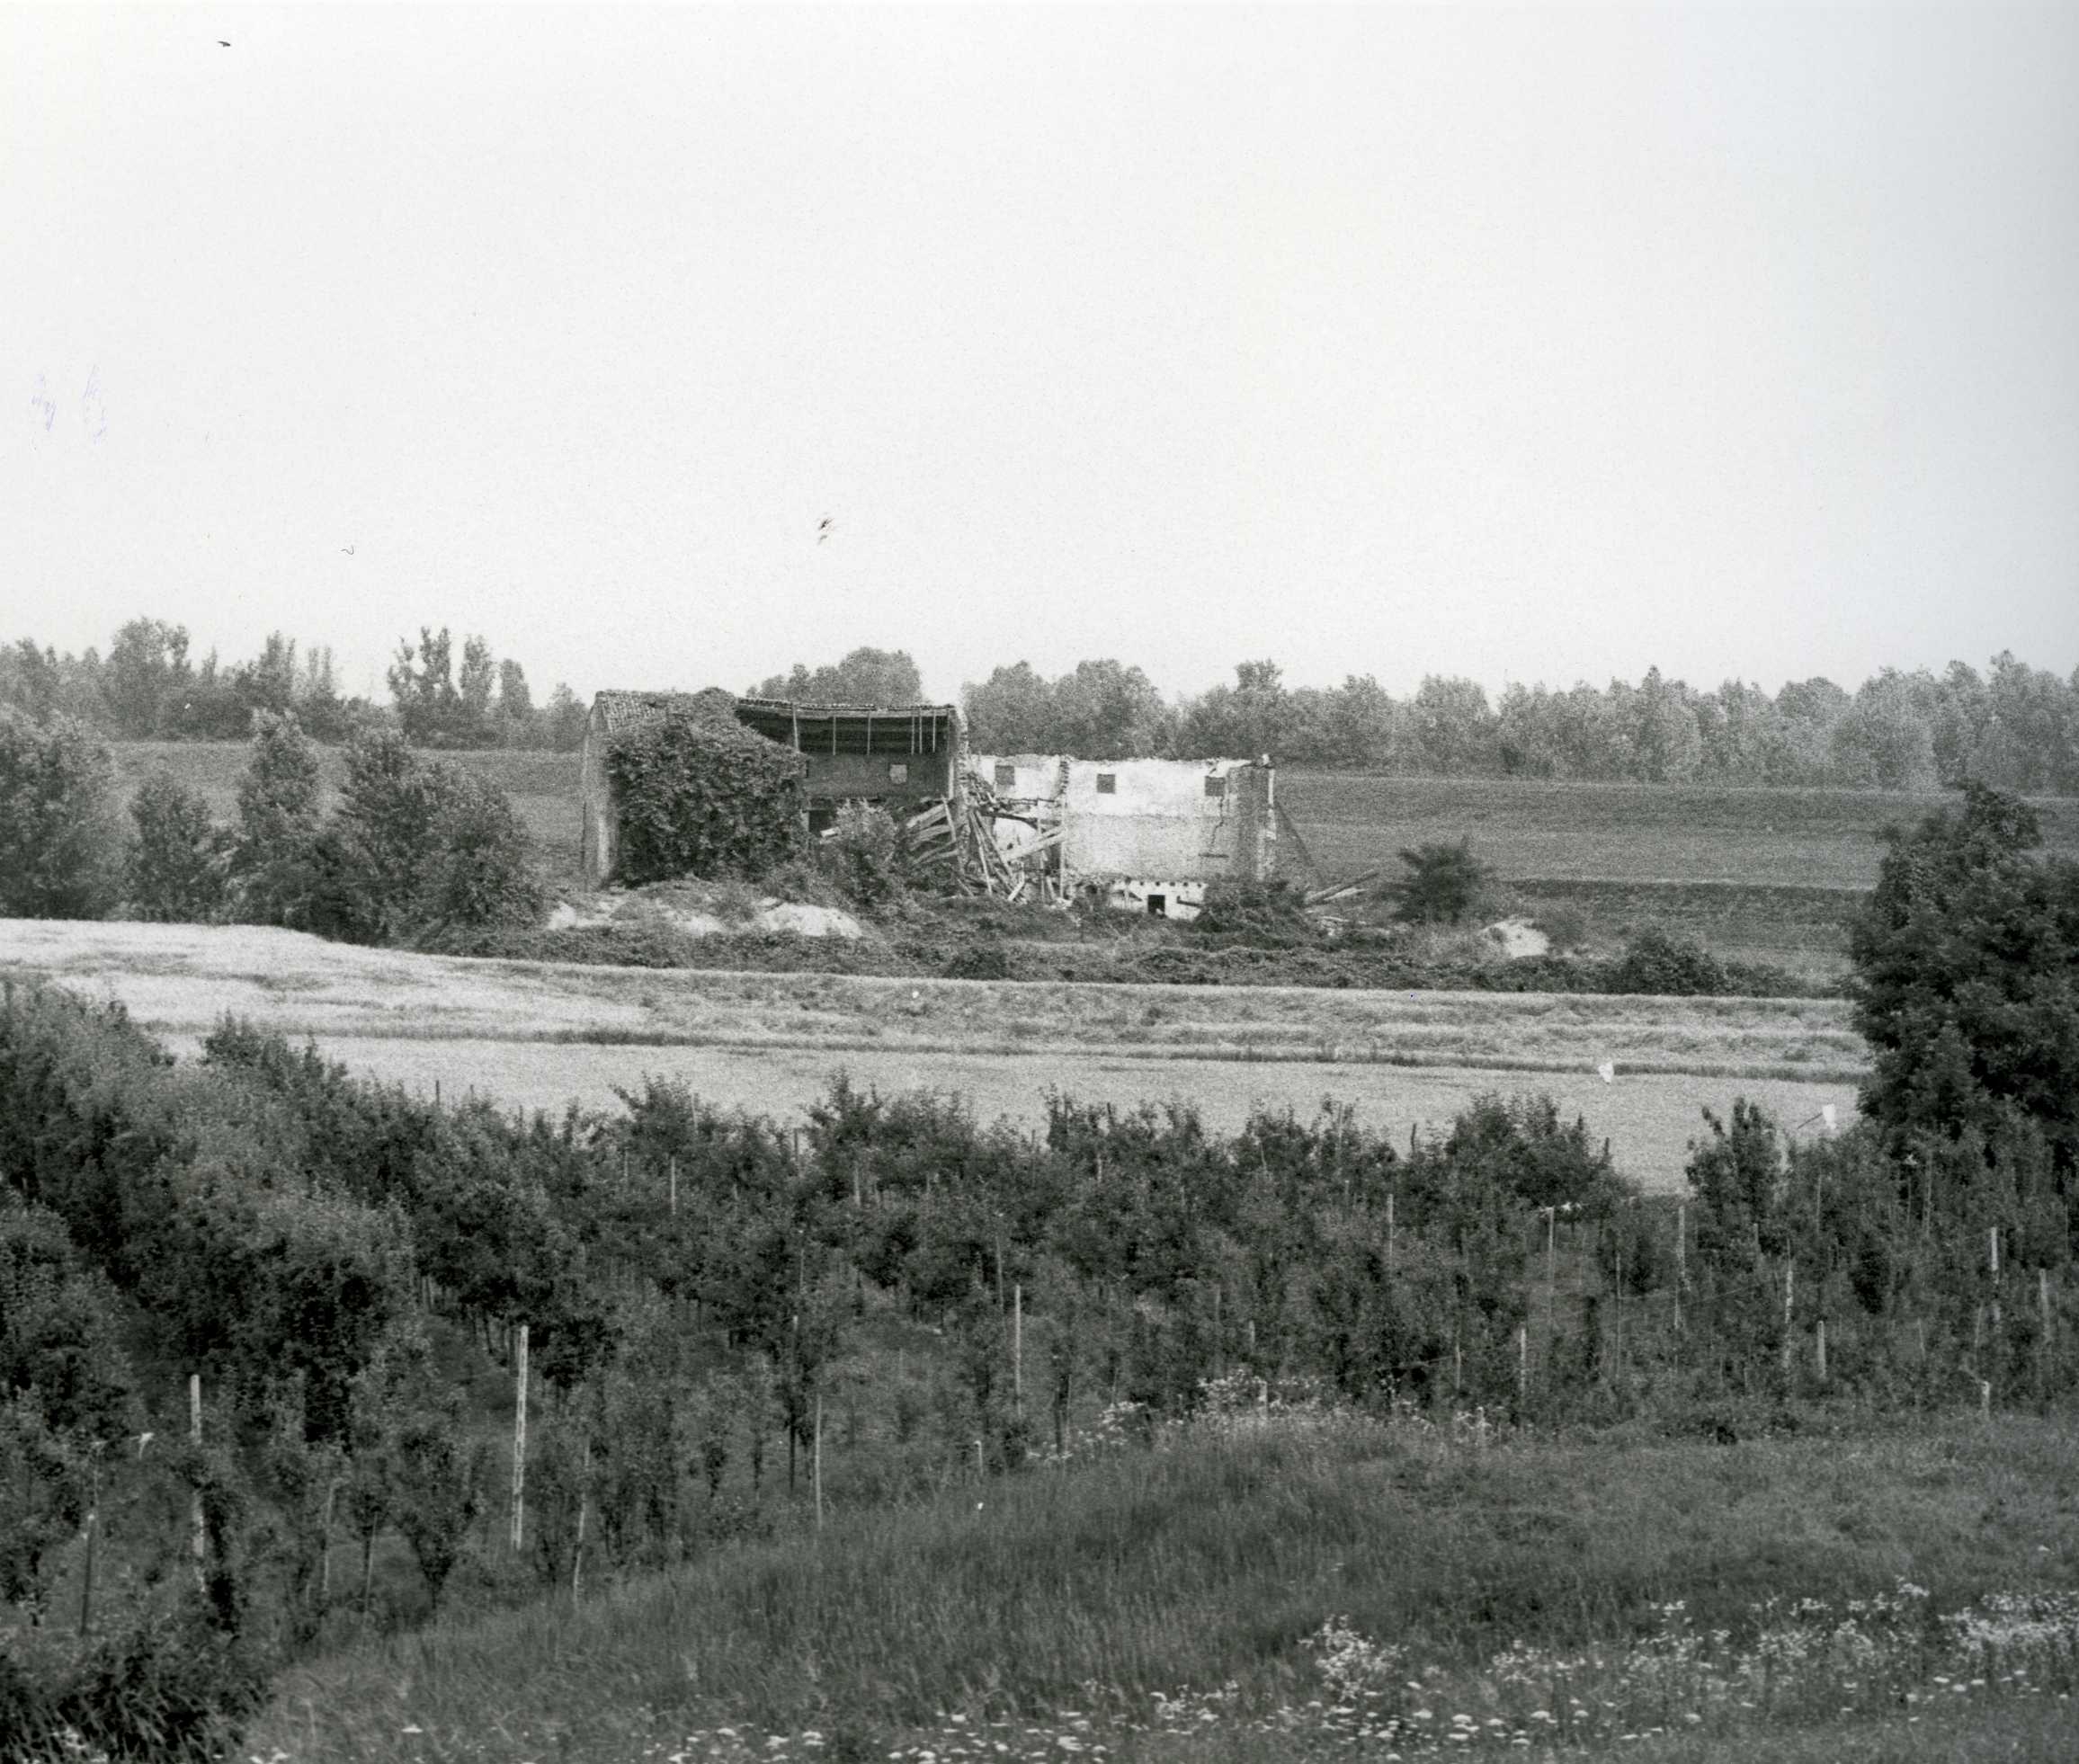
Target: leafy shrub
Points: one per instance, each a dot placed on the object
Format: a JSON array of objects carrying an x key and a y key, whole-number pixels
[
  {"x": 1657, "y": 961},
  {"x": 482, "y": 875},
  {"x": 1268, "y": 911},
  {"x": 421, "y": 851},
  {"x": 699, "y": 795},
  {"x": 980, "y": 961},
  {"x": 1443, "y": 882},
  {"x": 864, "y": 855},
  {"x": 58, "y": 846},
  {"x": 1565, "y": 925},
  {"x": 179, "y": 865}
]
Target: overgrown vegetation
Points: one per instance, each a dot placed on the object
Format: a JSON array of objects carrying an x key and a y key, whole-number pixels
[
  {"x": 899, "y": 1299},
  {"x": 419, "y": 852},
  {"x": 701, "y": 795}
]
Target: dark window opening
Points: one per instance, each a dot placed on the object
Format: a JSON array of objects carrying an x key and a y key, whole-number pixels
[
  {"x": 1158, "y": 906},
  {"x": 1216, "y": 786},
  {"x": 1006, "y": 777},
  {"x": 1108, "y": 783}
]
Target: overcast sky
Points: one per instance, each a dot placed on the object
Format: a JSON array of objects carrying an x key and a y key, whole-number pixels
[{"x": 1526, "y": 345}]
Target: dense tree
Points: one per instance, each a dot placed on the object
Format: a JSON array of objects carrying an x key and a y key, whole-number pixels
[
  {"x": 59, "y": 851},
  {"x": 179, "y": 862},
  {"x": 563, "y": 725},
  {"x": 279, "y": 796},
  {"x": 1454, "y": 729},
  {"x": 146, "y": 674},
  {"x": 1010, "y": 712},
  {"x": 515, "y": 704},
  {"x": 1967, "y": 964},
  {"x": 422, "y": 683},
  {"x": 474, "y": 686},
  {"x": 865, "y": 676},
  {"x": 1103, "y": 711},
  {"x": 1107, "y": 710}
]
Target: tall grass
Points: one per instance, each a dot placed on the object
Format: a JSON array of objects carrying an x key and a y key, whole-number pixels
[{"x": 1204, "y": 1563}]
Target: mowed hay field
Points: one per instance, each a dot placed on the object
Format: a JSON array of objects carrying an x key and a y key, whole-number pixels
[{"x": 538, "y": 1035}]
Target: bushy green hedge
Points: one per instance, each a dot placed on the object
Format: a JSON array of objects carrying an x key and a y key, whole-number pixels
[
  {"x": 193, "y": 1199},
  {"x": 700, "y": 796}
]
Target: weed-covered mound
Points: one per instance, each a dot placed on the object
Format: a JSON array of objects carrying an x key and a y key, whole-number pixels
[{"x": 929, "y": 943}]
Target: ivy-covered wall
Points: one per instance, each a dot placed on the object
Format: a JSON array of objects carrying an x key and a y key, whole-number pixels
[{"x": 696, "y": 794}]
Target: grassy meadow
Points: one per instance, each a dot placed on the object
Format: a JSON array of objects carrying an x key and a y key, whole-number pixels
[{"x": 1299, "y": 1583}]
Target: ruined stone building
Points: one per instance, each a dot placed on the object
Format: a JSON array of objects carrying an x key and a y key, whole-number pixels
[
  {"x": 1144, "y": 836},
  {"x": 901, "y": 756}
]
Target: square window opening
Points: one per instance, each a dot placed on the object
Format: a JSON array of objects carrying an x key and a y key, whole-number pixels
[
  {"x": 1158, "y": 906},
  {"x": 1006, "y": 776},
  {"x": 1108, "y": 783}
]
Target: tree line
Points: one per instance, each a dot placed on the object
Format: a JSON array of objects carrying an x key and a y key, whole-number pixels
[
  {"x": 150, "y": 687},
  {"x": 2014, "y": 726},
  {"x": 417, "y": 850}
]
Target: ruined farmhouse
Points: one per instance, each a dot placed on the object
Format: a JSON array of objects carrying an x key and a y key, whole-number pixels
[{"x": 1143, "y": 835}]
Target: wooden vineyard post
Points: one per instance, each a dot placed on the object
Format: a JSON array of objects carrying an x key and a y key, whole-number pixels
[
  {"x": 93, "y": 1511},
  {"x": 325, "y": 1560},
  {"x": 1992, "y": 1355},
  {"x": 200, "y": 1543},
  {"x": 583, "y": 1506},
  {"x": 1820, "y": 1338},
  {"x": 2043, "y": 1334},
  {"x": 1522, "y": 1364},
  {"x": 1681, "y": 1257},
  {"x": 1388, "y": 1233},
  {"x": 1789, "y": 1289},
  {"x": 519, "y": 1437},
  {"x": 815, "y": 1462},
  {"x": 674, "y": 1187},
  {"x": 1018, "y": 1350},
  {"x": 1551, "y": 1280}
]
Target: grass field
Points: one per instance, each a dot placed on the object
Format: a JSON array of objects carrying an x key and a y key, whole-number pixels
[
  {"x": 538, "y": 1035},
  {"x": 1766, "y": 875},
  {"x": 1620, "y": 833},
  {"x": 1646, "y": 1589}
]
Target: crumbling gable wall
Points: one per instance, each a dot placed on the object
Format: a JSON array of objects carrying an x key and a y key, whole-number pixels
[{"x": 1139, "y": 829}]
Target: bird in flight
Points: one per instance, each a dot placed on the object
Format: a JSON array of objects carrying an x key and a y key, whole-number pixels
[
  {"x": 223, "y": 42},
  {"x": 823, "y": 529},
  {"x": 348, "y": 550}
]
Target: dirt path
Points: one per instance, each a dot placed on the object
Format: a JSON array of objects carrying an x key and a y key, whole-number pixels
[{"x": 540, "y": 1035}]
